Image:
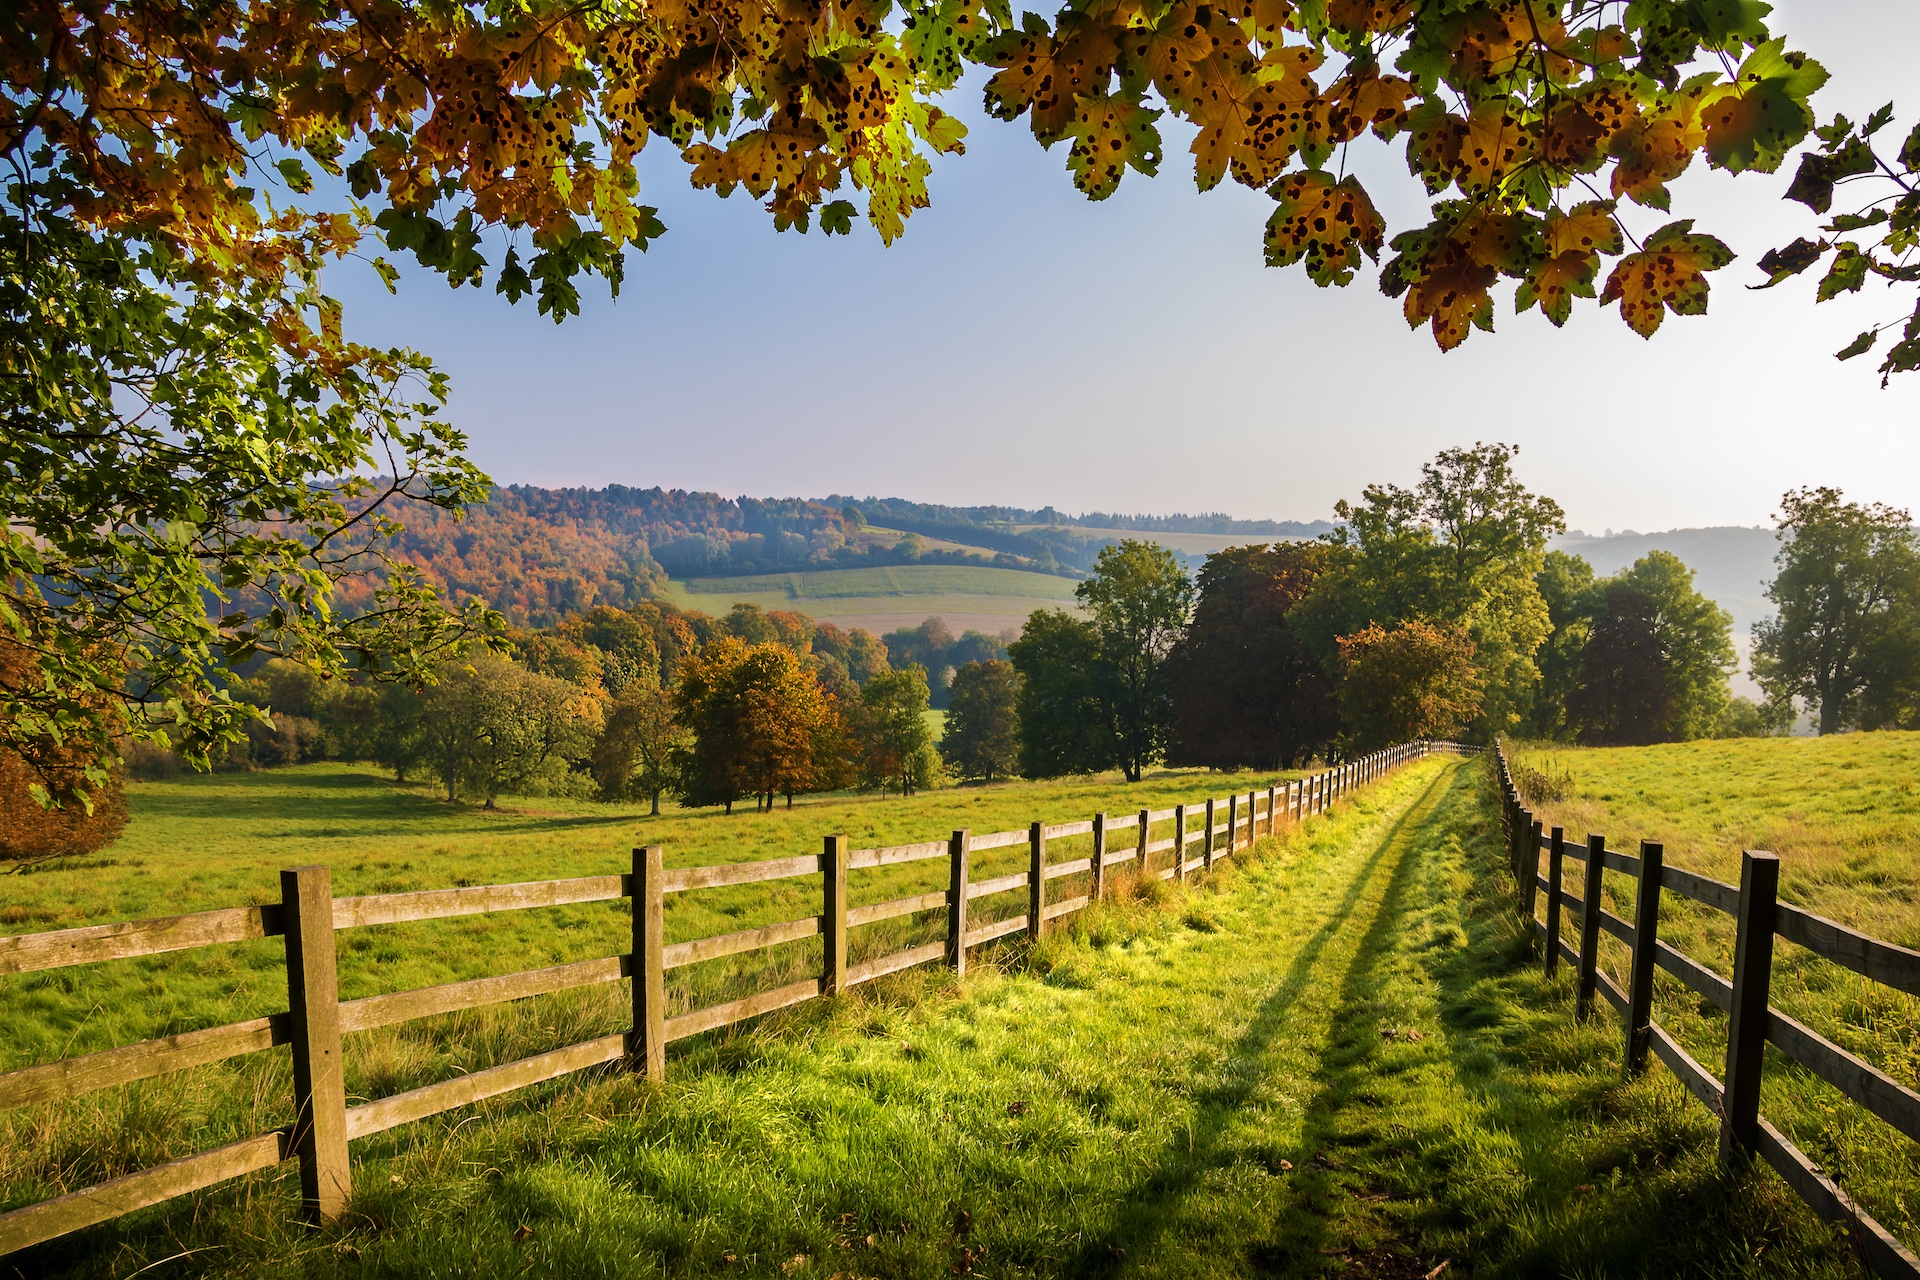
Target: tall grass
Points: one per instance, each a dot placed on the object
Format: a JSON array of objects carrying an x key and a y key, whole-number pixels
[{"x": 1843, "y": 814}]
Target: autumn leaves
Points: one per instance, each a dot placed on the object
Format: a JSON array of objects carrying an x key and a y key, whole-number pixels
[{"x": 1538, "y": 117}]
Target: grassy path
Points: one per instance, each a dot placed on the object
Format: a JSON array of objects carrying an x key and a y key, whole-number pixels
[{"x": 1335, "y": 1059}]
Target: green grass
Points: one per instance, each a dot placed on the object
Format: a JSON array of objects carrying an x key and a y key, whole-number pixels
[
  {"x": 1843, "y": 813},
  {"x": 936, "y": 722},
  {"x": 1331, "y": 1058}
]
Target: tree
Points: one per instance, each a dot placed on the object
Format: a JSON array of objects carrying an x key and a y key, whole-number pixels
[
  {"x": 1624, "y": 695},
  {"x": 31, "y": 829},
  {"x": 493, "y": 726},
  {"x": 755, "y": 716},
  {"x": 636, "y": 753},
  {"x": 1565, "y": 582},
  {"x": 1063, "y": 722},
  {"x": 1140, "y": 599},
  {"x": 897, "y": 745},
  {"x": 1413, "y": 680},
  {"x": 1245, "y": 691},
  {"x": 1461, "y": 549},
  {"x": 162, "y": 237},
  {"x": 1695, "y": 635},
  {"x": 1849, "y": 581},
  {"x": 982, "y": 738}
]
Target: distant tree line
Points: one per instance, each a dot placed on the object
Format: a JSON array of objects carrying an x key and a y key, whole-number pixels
[{"x": 1434, "y": 610}]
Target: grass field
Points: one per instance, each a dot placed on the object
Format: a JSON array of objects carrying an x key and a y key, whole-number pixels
[
  {"x": 984, "y": 598},
  {"x": 1843, "y": 813},
  {"x": 1193, "y": 544},
  {"x": 1332, "y": 1058}
]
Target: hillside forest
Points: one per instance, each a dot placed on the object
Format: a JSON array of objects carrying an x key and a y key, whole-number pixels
[{"x": 1430, "y": 611}]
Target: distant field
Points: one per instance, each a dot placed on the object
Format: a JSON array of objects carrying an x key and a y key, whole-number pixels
[
  {"x": 883, "y": 599},
  {"x": 1193, "y": 544}
]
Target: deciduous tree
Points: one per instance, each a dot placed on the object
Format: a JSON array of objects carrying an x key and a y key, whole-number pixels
[
  {"x": 1246, "y": 692},
  {"x": 1140, "y": 599},
  {"x": 982, "y": 737},
  {"x": 636, "y": 753},
  {"x": 1412, "y": 680},
  {"x": 1849, "y": 580},
  {"x": 1625, "y": 692},
  {"x": 1063, "y": 719},
  {"x": 896, "y": 744}
]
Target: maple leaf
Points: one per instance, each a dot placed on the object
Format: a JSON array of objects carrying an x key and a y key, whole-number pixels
[
  {"x": 1655, "y": 149},
  {"x": 1324, "y": 222},
  {"x": 1555, "y": 282},
  {"x": 1668, "y": 274},
  {"x": 1045, "y": 72},
  {"x": 1111, "y": 133},
  {"x": 1163, "y": 51},
  {"x": 1578, "y": 132},
  {"x": 1589, "y": 227},
  {"x": 1368, "y": 16},
  {"x": 1493, "y": 146},
  {"x": 1754, "y": 122}
]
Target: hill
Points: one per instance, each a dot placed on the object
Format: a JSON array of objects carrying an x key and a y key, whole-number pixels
[
  {"x": 983, "y": 598},
  {"x": 1733, "y": 564}
]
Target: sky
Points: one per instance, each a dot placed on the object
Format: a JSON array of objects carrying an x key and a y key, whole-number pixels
[{"x": 1024, "y": 346}]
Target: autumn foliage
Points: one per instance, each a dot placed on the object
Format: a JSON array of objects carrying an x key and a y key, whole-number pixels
[{"x": 1413, "y": 680}]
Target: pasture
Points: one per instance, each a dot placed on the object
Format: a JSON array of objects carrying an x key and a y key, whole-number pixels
[
  {"x": 981, "y": 597},
  {"x": 1334, "y": 1056},
  {"x": 1843, "y": 814}
]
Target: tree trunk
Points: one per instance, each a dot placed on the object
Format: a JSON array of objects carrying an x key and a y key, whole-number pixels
[
  {"x": 789, "y": 799},
  {"x": 729, "y": 808},
  {"x": 656, "y": 803}
]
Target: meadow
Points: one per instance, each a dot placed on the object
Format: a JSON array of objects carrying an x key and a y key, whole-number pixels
[
  {"x": 1843, "y": 814},
  {"x": 1331, "y": 1056},
  {"x": 982, "y": 597}
]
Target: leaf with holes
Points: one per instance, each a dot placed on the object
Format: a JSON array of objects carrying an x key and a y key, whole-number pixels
[{"x": 1669, "y": 274}]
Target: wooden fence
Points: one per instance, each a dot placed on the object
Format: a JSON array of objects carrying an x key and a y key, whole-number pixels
[
  {"x": 1752, "y": 1022},
  {"x": 308, "y": 916}
]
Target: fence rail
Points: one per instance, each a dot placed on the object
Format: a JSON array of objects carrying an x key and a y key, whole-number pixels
[
  {"x": 308, "y": 917},
  {"x": 1753, "y": 1023}
]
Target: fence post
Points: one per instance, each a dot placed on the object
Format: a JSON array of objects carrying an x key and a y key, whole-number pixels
[
  {"x": 1141, "y": 857},
  {"x": 1556, "y": 852},
  {"x": 833, "y": 863},
  {"x": 1099, "y": 889},
  {"x": 1752, "y": 983},
  {"x": 1646, "y": 930},
  {"x": 1179, "y": 842},
  {"x": 648, "y": 1046},
  {"x": 1590, "y": 929},
  {"x": 957, "y": 854},
  {"x": 1233, "y": 827},
  {"x": 319, "y": 1079},
  {"x": 1036, "y": 878},
  {"x": 1273, "y": 815},
  {"x": 1206, "y": 843},
  {"x": 1531, "y": 861}
]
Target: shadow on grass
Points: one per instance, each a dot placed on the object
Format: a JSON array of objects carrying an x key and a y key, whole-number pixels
[{"x": 1158, "y": 1204}]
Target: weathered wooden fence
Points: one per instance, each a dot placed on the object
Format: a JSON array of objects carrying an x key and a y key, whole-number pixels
[
  {"x": 1752, "y": 1022},
  {"x": 308, "y": 916}
]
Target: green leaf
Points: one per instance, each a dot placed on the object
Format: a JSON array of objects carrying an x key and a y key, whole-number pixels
[
  {"x": 1753, "y": 123},
  {"x": 1846, "y": 275},
  {"x": 1859, "y": 346},
  {"x": 514, "y": 281},
  {"x": 1781, "y": 264},
  {"x": 296, "y": 175},
  {"x": 836, "y": 218}
]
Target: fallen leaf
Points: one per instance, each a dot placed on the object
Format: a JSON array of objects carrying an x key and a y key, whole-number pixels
[
  {"x": 1286, "y": 1166},
  {"x": 1017, "y": 1108},
  {"x": 1115, "y": 1251},
  {"x": 1415, "y": 1037},
  {"x": 962, "y": 1223},
  {"x": 523, "y": 1232},
  {"x": 794, "y": 1263},
  {"x": 1439, "y": 1270}
]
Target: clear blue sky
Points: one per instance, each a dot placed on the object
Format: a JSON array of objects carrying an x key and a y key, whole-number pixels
[{"x": 1022, "y": 345}]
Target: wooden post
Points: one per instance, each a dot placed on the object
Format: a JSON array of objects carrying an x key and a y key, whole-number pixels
[
  {"x": 1588, "y": 981},
  {"x": 1099, "y": 889},
  {"x": 319, "y": 1079},
  {"x": 1531, "y": 862},
  {"x": 1036, "y": 878},
  {"x": 1142, "y": 862},
  {"x": 957, "y": 853},
  {"x": 648, "y": 1046},
  {"x": 1646, "y": 929},
  {"x": 1555, "y": 854},
  {"x": 1273, "y": 814},
  {"x": 833, "y": 866},
  {"x": 1233, "y": 827},
  {"x": 1752, "y": 983},
  {"x": 1180, "y": 841},
  {"x": 1206, "y": 843}
]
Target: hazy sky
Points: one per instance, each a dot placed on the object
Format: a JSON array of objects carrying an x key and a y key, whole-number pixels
[{"x": 1022, "y": 345}]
